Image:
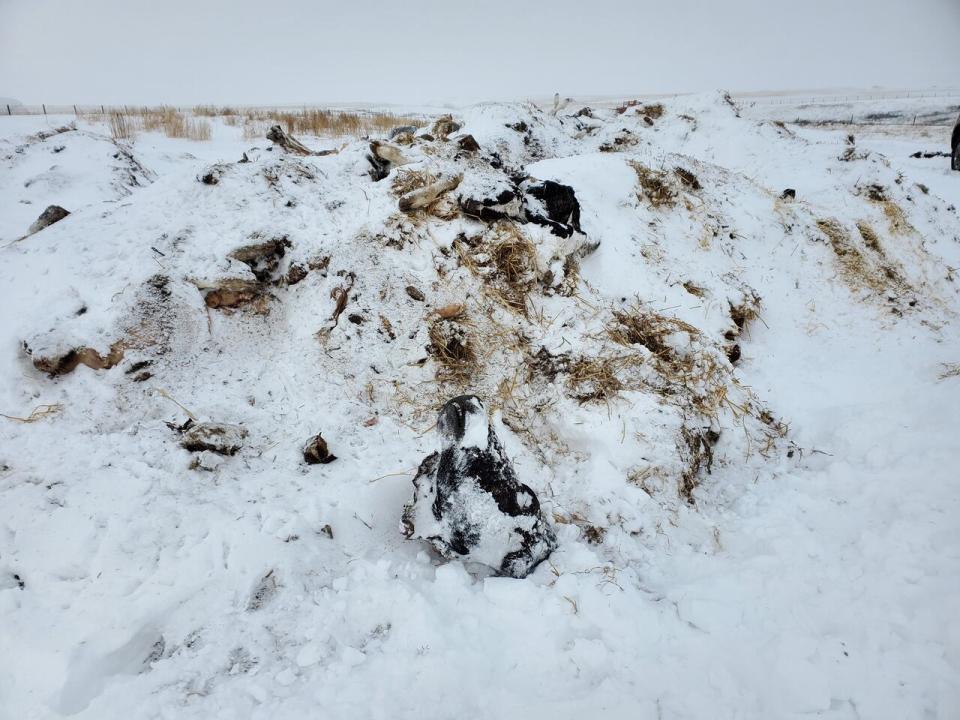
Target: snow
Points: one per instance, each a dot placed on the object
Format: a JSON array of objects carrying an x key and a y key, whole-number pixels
[{"x": 818, "y": 577}]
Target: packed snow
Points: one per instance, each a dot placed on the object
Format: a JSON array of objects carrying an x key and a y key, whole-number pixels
[{"x": 737, "y": 407}]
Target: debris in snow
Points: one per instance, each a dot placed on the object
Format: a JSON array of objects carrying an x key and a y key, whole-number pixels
[
  {"x": 53, "y": 214},
  {"x": 955, "y": 146},
  {"x": 655, "y": 185},
  {"x": 263, "y": 258},
  {"x": 54, "y": 362},
  {"x": 316, "y": 451},
  {"x": 452, "y": 347},
  {"x": 215, "y": 437},
  {"x": 444, "y": 126},
  {"x": 420, "y": 198},
  {"x": 289, "y": 143},
  {"x": 263, "y": 592},
  {"x": 403, "y": 130},
  {"x": 468, "y": 503},
  {"x": 558, "y": 207},
  {"x": 788, "y": 194},
  {"x": 467, "y": 143}
]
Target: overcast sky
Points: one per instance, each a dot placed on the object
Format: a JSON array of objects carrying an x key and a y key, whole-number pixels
[{"x": 426, "y": 51}]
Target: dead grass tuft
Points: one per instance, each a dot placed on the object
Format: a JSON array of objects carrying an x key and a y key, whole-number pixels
[
  {"x": 856, "y": 268},
  {"x": 640, "y": 326},
  {"x": 506, "y": 260},
  {"x": 687, "y": 178},
  {"x": 655, "y": 185},
  {"x": 120, "y": 127},
  {"x": 452, "y": 346},
  {"x": 899, "y": 225},
  {"x": 870, "y": 238},
  {"x": 745, "y": 312},
  {"x": 595, "y": 379},
  {"x": 38, "y": 413}
]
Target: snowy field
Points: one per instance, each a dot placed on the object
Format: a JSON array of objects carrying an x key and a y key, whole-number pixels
[{"x": 740, "y": 413}]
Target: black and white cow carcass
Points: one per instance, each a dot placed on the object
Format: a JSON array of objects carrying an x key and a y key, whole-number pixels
[
  {"x": 955, "y": 146},
  {"x": 468, "y": 503}
]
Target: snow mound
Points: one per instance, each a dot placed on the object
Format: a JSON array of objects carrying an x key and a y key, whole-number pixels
[{"x": 712, "y": 388}]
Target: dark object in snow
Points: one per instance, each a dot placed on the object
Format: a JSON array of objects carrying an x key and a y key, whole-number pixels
[
  {"x": 687, "y": 178},
  {"x": 467, "y": 143},
  {"x": 414, "y": 293},
  {"x": 316, "y": 451},
  {"x": 788, "y": 194},
  {"x": 379, "y": 168},
  {"x": 53, "y": 214},
  {"x": 212, "y": 175},
  {"x": 468, "y": 503},
  {"x": 489, "y": 209},
  {"x": 244, "y": 159},
  {"x": 382, "y": 157},
  {"x": 955, "y": 146},
  {"x": 403, "y": 130},
  {"x": 733, "y": 353},
  {"x": 560, "y": 206},
  {"x": 445, "y": 125},
  {"x": 60, "y": 363},
  {"x": 295, "y": 273},
  {"x": 928, "y": 155},
  {"x": 263, "y": 258},
  {"x": 219, "y": 438},
  {"x": 288, "y": 142}
]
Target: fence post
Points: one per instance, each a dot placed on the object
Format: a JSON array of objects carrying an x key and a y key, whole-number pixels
[
  {"x": 102, "y": 111},
  {"x": 8, "y": 110},
  {"x": 44, "y": 109}
]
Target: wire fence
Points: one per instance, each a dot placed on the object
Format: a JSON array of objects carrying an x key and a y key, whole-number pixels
[{"x": 760, "y": 99}]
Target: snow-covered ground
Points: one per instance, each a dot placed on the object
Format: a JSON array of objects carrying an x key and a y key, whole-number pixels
[{"x": 770, "y": 536}]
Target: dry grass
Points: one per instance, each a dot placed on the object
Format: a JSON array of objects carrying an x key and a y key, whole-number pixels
[
  {"x": 899, "y": 225},
  {"x": 38, "y": 413},
  {"x": 654, "y": 111},
  {"x": 325, "y": 123},
  {"x": 174, "y": 124},
  {"x": 120, "y": 127},
  {"x": 506, "y": 260},
  {"x": 655, "y": 185},
  {"x": 687, "y": 178},
  {"x": 596, "y": 379},
  {"x": 639, "y": 326},
  {"x": 856, "y": 268},
  {"x": 453, "y": 347},
  {"x": 745, "y": 312},
  {"x": 405, "y": 181},
  {"x": 193, "y": 125}
]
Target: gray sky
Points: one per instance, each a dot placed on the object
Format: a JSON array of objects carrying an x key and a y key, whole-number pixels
[{"x": 427, "y": 51}]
